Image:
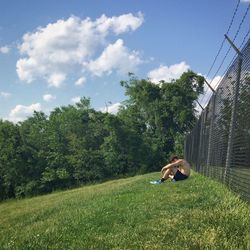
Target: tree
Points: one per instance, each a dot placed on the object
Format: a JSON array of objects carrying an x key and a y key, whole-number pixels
[
  {"x": 33, "y": 139},
  {"x": 159, "y": 112},
  {"x": 11, "y": 162},
  {"x": 76, "y": 144}
]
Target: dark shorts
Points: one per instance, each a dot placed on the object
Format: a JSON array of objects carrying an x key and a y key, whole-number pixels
[{"x": 179, "y": 176}]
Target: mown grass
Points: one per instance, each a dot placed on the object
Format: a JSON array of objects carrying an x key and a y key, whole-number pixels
[{"x": 129, "y": 214}]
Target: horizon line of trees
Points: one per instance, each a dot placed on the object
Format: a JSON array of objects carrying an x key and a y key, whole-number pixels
[{"x": 76, "y": 144}]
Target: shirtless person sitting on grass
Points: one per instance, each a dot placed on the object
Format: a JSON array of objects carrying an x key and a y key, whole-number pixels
[{"x": 177, "y": 170}]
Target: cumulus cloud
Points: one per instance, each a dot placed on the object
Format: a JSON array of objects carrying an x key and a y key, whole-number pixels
[
  {"x": 204, "y": 98},
  {"x": 80, "y": 81},
  {"x": 58, "y": 49},
  {"x": 48, "y": 97},
  {"x": 5, "y": 49},
  {"x": 5, "y": 94},
  {"x": 56, "y": 79},
  {"x": 113, "y": 108},
  {"x": 168, "y": 73},
  {"x": 115, "y": 57},
  {"x": 120, "y": 24},
  {"x": 75, "y": 99},
  {"x": 21, "y": 112},
  {"x": 214, "y": 82}
]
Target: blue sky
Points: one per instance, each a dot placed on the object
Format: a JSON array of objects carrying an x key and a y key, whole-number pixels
[{"x": 53, "y": 52}]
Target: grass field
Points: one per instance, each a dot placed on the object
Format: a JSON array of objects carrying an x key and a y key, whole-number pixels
[
  {"x": 238, "y": 178},
  {"x": 129, "y": 214}
]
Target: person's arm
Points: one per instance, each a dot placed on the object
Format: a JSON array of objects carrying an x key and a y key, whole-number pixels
[{"x": 172, "y": 165}]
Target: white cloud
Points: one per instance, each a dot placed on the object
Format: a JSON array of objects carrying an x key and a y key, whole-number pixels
[
  {"x": 21, "y": 112},
  {"x": 245, "y": 1},
  {"x": 75, "y": 99},
  {"x": 214, "y": 83},
  {"x": 168, "y": 73},
  {"x": 120, "y": 24},
  {"x": 113, "y": 108},
  {"x": 56, "y": 79},
  {"x": 27, "y": 68},
  {"x": 204, "y": 99},
  {"x": 115, "y": 57},
  {"x": 5, "y": 94},
  {"x": 59, "y": 49},
  {"x": 5, "y": 49},
  {"x": 48, "y": 97},
  {"x": 80, "y": 81}
]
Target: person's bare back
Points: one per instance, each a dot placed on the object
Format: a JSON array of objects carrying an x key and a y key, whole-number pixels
[{"x": 184, "y": 167}]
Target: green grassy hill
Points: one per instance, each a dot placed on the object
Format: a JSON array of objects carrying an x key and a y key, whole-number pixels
[{"x": 129, "y": 214}]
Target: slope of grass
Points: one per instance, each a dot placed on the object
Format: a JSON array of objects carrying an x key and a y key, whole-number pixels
[{"x": 129, "y": 214}]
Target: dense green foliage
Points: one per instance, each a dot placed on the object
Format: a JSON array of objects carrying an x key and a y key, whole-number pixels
[
  {"x": 77, "y": 144},
  {"x": 129, "y": 214}
]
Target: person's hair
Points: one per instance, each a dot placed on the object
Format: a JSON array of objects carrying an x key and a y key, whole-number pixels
[{"x": 174, "y": 157}]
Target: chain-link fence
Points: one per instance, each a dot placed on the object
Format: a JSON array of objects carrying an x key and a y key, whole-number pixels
[{"x": 219, "y": 144}]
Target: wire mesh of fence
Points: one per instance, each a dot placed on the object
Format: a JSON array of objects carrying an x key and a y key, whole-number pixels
[{"x": 219, "y": 144}]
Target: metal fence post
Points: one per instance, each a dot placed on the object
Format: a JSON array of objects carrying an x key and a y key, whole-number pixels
[
  {"x": 234, "y": 111},
  {"x": 205, "y": 141},
  {"x": 211, "y": 123},
  {"x": 200, "y": 142},
  {"x": 211, "y": 128},
  {"x": 185, "y": 147}
]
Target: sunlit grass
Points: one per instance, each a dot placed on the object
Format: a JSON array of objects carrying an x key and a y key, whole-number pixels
[{"x": 129, "y": 214}]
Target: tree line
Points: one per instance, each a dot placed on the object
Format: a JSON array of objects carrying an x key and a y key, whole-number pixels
[{"x": 76, "y": 144}]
